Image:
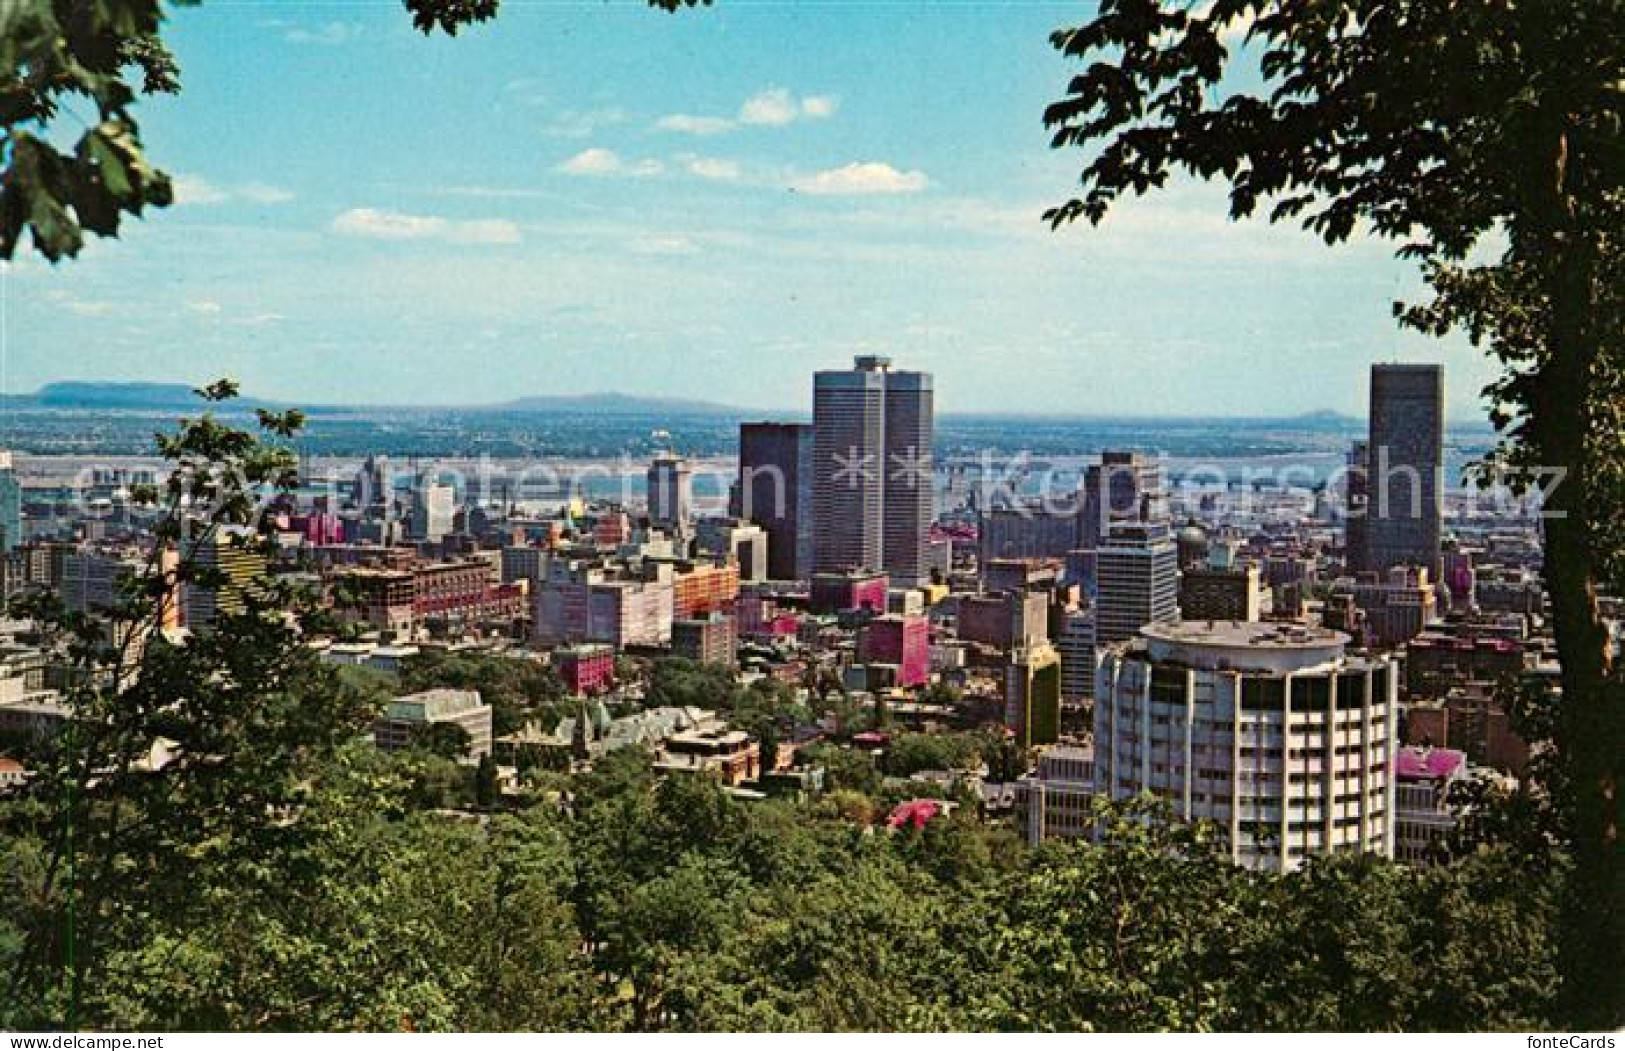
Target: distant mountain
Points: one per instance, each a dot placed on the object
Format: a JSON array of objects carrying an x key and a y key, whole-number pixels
[
  {"x": 85, "y": 394},
  {"x": 609, "y": 402},
  {"x": 94, "y": 394},
  {"x": 165, "y": 397}
]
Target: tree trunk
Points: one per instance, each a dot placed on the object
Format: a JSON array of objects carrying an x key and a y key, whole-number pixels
[{"x": 1590, "y": 737}]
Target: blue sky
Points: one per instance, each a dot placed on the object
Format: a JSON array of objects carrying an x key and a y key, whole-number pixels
[{"x": 582, "y": 197}]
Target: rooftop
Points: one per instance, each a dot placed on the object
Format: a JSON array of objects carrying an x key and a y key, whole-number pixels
[
  {"x": 1413, "y": 763},
  {"x": 1252, "y": 634}
]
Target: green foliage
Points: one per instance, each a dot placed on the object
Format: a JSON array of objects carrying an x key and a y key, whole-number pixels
[
  {"x": 845, "y": 768},
  {"x": 518, "y": 689},
  {"x": 443, "y": 740},
  {"x": 675, "y": 682},
  {"x": 1449, "y": 127},
  {"x": 910, "y": 753}
]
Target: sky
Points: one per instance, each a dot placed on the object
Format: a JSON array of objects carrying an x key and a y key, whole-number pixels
[{"x": 585, "y": 197}]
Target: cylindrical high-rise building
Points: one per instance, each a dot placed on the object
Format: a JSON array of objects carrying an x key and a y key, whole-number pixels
[{"x": 1270, "y": 731}]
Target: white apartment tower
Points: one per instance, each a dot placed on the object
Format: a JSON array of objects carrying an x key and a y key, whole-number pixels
[{"x": 1270, "y": 731}]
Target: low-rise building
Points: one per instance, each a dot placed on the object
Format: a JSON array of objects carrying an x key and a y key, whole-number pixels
[
  {"x": 1056, "y": 800},
  {"x": 404, "y": 718},
  {"x": 729, "y": 755},
  {"x": 1423, "y": 819},
  {"x": 586, "y": 667}
]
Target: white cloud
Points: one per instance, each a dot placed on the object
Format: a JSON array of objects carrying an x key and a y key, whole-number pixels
[
  {"x": 578, "y": 124},
  {"x": 870, "y": 177},
  {"x": 663, "y": 246},
  {"x": 329, "y": 33},
  {"x": 713, "y": 168},
  {"x": 256, "y": 320},
  {"x": 598, "y": 161},
  {"x": 194, "y": 189},
  {"x": 206, "y": 307},
  {"x": 778, "y": 106},
  {"x": 775, "y": 106},
  {"x": 259, "y": 193},
  {"x": 688, "y": 124},
  {"x": 818, "y": 107},
  {"x": 385, "y": 225},
  {"x": 485, "y": 232}
]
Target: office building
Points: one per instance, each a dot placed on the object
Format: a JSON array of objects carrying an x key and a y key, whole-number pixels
[
  {"x": 1404, "y": 469},
  {"x": 405, "y": 719},
  {"x": 1423, "y": 818},
  {"x": 586, "y": 601},
  {"x": 1033, "y": 530},
  {"x": 903, "y": 642},
  {"x": 1056, "y": 801},
  {"x": 738, "y": 542},
  {"x": 1032, "y": 695},
  {"x": 873, "y": 498},
  {"x": 1272, "y": 732},
  {"x": 1389, "y": 611},
  {"x": 670, "y": 494},
  {"x": 842, "y": 592},
  {"x": 434, "y": 510},
  {"x": 1137, "y": 580},
  {"x": 1075, "y": 642},
  {"x": 587, "y": 667},
  {"x": 707, "y": 640},
  {"x": 775, "y": 491},
  {"x": 231, "y": 571},
  {"x": 1221, "y": 589},
  {"x": 1007, "y": 620},
  {"x": 1355, "y": 491},
  {"x": 1122, "y": 487},
  {"x": 11, "y": 505},
  {"x": 97, "y": 583}
]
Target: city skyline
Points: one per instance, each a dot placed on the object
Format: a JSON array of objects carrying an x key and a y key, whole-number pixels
[{"x": 782, "y": 203}]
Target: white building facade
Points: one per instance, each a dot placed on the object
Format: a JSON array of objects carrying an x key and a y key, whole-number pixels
[{"x": 1269, "y": 731}]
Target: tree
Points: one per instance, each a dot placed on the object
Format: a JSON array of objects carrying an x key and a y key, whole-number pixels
[
  {"x": 445, "y": 740},
  {"x": 677, "y": 682},
  {"x": 517, "y": 688},
  {"x": 486, "y": 789},
  {"x": 1438, "y": 124},
  {"x": 178, "y": 753}
]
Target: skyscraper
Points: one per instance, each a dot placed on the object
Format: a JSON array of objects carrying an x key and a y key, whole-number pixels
[
  {"x": 909, "y": 505},
  {"x": 11, "y": 505},
  {"x": 375, "y": 489},
  {"x": 1354, "y": 505},
  {"x": 231, "y": 570},
  {"x": 434, "y": 509},
  {"x": 1405, "y": 459},
  {"x": 774, "y": 490},
  {"x": 1137, "y": 567},
  {"x": 873, "y": 500},
  {"x": 1122, "y": 487},
  {"x": 668, "y": 481}
]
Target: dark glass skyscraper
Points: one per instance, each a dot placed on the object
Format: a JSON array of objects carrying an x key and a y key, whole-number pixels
[
  {"x": 774, "y": 491},
  {"x": 1405, "y": 460}
]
